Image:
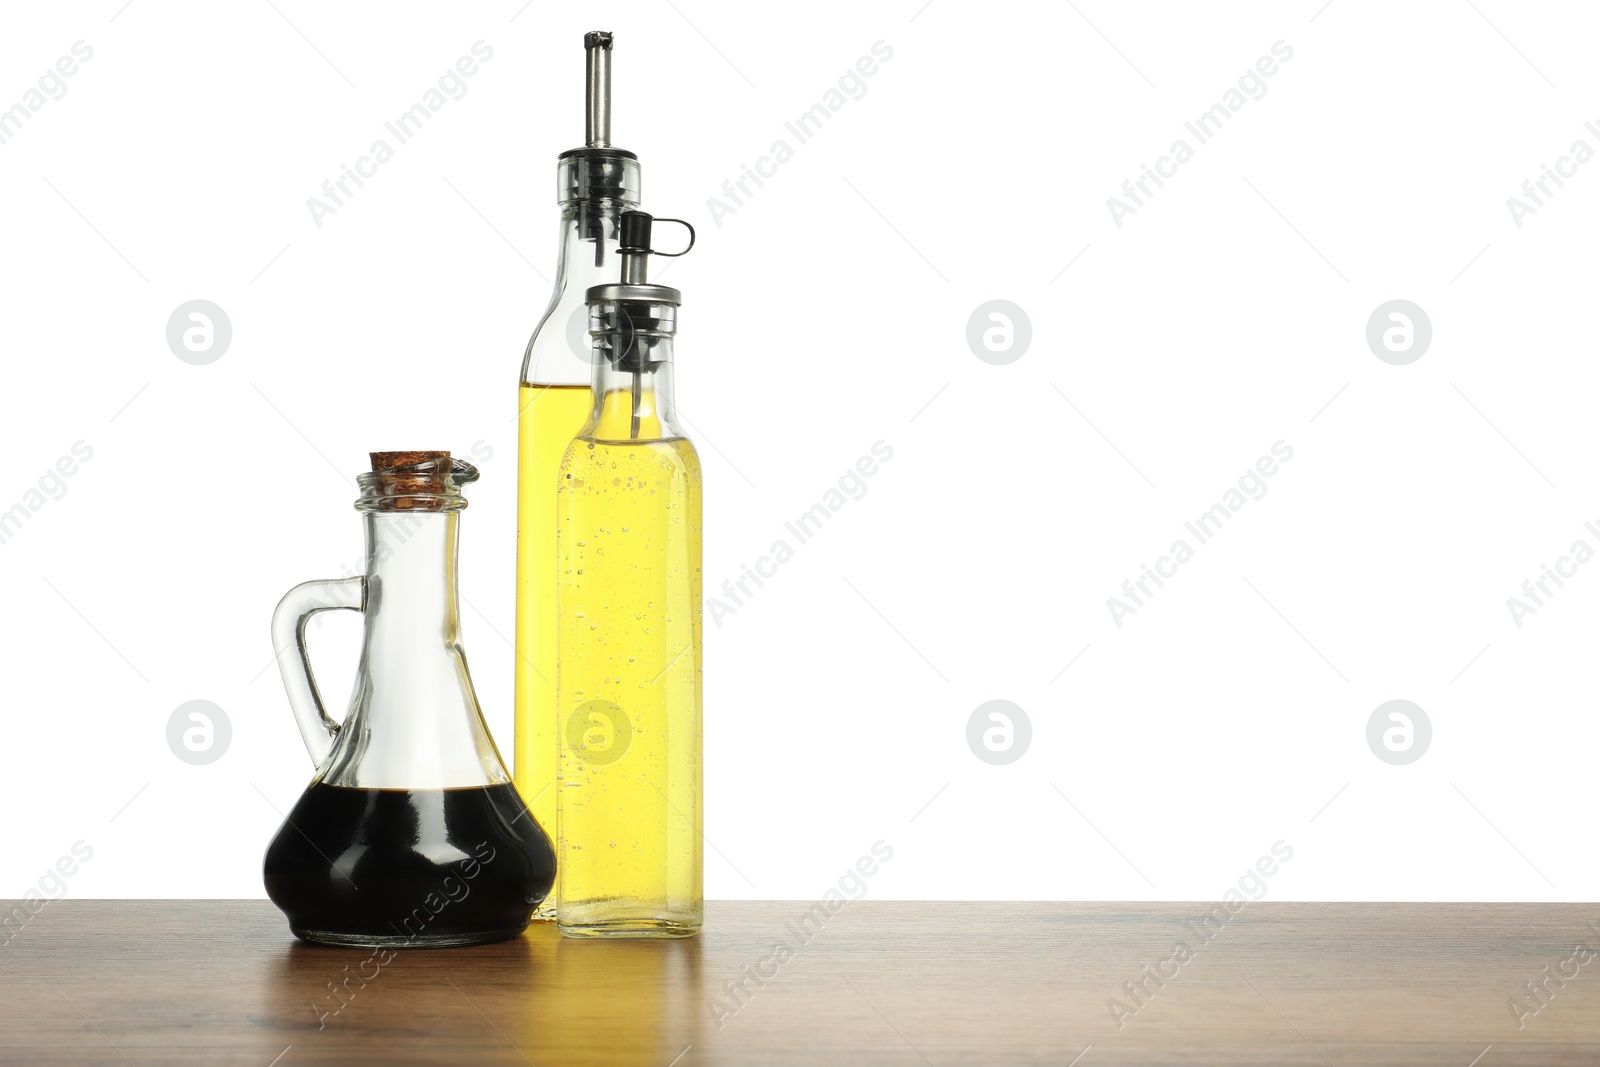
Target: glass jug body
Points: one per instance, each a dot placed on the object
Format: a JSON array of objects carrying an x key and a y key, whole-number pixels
[{"x": 411, "y": 833}]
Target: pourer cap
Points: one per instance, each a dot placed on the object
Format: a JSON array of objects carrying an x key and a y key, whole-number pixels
[
  {"x": 631, "y": 318},
  {"x": 652, "y": 307},
  {"x": 598, "y": 170}
]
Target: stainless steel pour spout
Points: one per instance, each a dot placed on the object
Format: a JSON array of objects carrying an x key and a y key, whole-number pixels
[{"x": 597, "y": 95}]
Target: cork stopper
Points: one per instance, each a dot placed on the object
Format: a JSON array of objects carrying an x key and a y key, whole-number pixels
[
  {"x": 388, "y": 461},
  {"x": 414, "y": 490}
]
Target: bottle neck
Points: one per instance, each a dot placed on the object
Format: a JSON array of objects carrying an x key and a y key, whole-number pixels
[
  {"x": 414, "y": 720},
  {"x": 411, "y": 581},
  {"x": 633, "y": 396},
  {"x": 558, "y": 352}
]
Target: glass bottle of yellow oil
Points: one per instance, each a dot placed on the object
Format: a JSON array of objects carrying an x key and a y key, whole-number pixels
[
  {"x": 629, "y": 853},
  {"x": 595, "y": 184}
]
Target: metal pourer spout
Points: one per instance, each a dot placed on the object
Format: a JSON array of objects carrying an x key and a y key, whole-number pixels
[
  {"x": 599, "y": 177},
  {"x": 597, "y": 94}
]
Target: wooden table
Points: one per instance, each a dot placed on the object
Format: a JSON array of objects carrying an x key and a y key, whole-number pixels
[{"x": 222, "y": 982}]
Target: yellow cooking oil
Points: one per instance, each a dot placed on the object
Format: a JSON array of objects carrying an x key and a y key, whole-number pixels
[
  {"x": 549, "y": 417},
  {"x": 629, "y": 818}
]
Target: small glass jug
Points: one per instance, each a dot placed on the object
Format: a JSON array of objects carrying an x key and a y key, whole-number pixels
[{"x": 411, "y": 832}]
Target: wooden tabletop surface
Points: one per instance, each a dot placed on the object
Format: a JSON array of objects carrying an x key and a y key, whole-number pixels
[{"x": 222, "y": 982}]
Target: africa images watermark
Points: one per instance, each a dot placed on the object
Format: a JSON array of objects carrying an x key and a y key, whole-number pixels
[
  {"x": 1137, "y": 993},
  {"x": 52, "y": 85},
  {"x": 852, "y": 85},
  {"x": 50, "y": 886},
  {"x": 1537, "y": 190},
  {"x": 1202, "y": 528},
  {"x": 1252, "y": 85},
  {"x": 51, "y": 485},
  {"x": 852, "y": 485},
  {"x": 451, "y": 890},
  {"x": 452, "y": 85},
  {"x": 1537, "y": 590},
  {"x": 850, "y": 886},
  {"x": 1539, "y": 992}
]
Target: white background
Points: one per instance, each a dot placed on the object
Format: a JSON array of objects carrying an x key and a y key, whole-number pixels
[{"x": 829, "y": 312}]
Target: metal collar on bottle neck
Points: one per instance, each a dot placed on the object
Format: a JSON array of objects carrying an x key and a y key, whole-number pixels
[{"x": 634, "y": 294}]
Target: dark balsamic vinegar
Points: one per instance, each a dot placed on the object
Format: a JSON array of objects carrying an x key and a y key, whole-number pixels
[{"x": 398, "y": 868}]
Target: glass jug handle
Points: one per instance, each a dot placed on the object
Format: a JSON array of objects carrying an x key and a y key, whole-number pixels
[{"x": 289, "y": 638}]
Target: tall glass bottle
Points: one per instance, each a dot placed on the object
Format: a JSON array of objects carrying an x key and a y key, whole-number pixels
[
  {"x": 594, "y": 185},
  {"x": 629, "y": 799}
]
